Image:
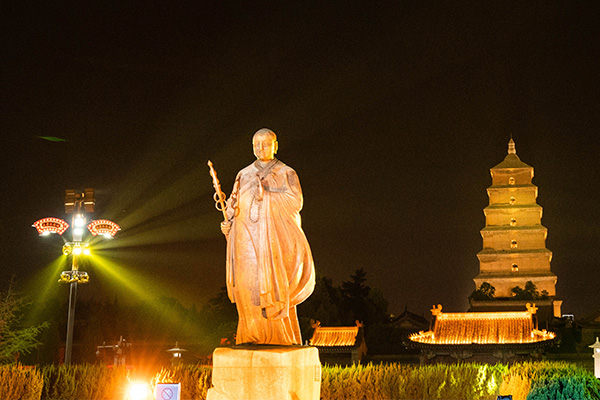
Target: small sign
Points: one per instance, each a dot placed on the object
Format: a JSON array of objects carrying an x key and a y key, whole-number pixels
[{"x": 168, "y": 391}]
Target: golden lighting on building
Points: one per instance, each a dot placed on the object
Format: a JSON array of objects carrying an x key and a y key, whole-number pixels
[
  {"x": 509, "y": 327},
  {"x": 334, "y": 336}
]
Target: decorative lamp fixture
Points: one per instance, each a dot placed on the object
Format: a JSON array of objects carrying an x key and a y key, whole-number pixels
[
  {"x": 177, "y": 353},
  {"x": 75, "y": 201},
  {"x": 45, "y": 226},
  {"x": 74, "y": 276},
  {"x": 103, "y": 227},
  {"x": 76, "y": 248},
  {"x": 596, "y": 349}
]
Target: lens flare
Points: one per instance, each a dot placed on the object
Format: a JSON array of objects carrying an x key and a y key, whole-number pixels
[{"x": 138, "y": 391}]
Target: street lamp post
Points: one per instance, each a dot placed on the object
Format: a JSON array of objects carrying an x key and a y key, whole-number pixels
[{"x": 77, "y": 204}]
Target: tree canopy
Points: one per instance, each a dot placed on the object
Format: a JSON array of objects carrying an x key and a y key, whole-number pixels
[{"x": 15, "y": 339}]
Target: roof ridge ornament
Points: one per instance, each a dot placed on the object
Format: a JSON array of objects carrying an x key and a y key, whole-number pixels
[{"x": 511, "y": 146}]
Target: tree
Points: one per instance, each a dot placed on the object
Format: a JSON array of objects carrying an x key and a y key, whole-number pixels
[
  {"x": 485, "y": 292},
  {"x": 365, "y": 305},
  {"x": 354, "y": 297},
  {"x": 15, "y": 339},
  {"x": 220, "y": 318},
  {"x": 323, "y": 305},
  {"x": 529, "y": 293}
]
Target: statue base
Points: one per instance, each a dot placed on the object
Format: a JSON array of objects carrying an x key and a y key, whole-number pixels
[{"x": 266, "y": 372}]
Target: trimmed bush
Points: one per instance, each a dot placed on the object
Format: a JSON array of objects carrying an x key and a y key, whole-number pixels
[
  {"x": 563, "y": 381},
  {"x": 195, "y": 380},
  {"x": 19, "y": 383},
  {"x": 517, "y": 381},
  {"x": 524, "y": 381},
  {"x": 85, "y": 381},
  {"x": 395, "y": 381}
]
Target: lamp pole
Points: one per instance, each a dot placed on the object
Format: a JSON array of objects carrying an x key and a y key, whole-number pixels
[
  {"x": 78, "y": 222},
  {"x": 77, "y": 204}
]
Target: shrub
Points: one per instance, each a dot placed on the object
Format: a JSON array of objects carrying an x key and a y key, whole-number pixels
[
  {"x": 562, "y": 381},
  {"x": 85, "y": 381},
  {"x": 517, "y": 381},
  {"x": 195, "y": 380},
  {"x": 19, "y": 383},
  {"x": 394, "y": 381}
]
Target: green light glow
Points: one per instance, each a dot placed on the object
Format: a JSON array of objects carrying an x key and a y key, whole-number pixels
[
  {"x": 137, "y": 284},
  {"x": 44, "y": 285}
]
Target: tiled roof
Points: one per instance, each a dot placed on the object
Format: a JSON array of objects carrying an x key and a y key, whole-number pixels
[
  {"x": 334, "y": 336},
  {"x": 512, "y": 161},
  {"x": 483, "y": 328}
]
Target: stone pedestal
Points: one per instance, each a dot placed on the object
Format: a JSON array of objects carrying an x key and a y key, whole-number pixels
[{"x": 265, "y": 373}]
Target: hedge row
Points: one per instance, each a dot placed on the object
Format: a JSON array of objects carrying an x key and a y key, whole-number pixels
[
  {"x": 81, "y": 382},
  {"x": 195, "y": 380},
  {"x": 20, "y": 383},
  {"x": 525, "y": 381},
  {"x": 394, "y": 381}
]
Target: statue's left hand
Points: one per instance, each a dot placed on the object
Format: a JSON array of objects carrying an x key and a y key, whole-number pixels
[{"x": 225, "y": 228}]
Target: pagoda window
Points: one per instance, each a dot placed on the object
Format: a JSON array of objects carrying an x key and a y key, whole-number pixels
[
  {"x": 511, "y": 181},
  {"x": 513, "y": 244},
  {"x": 513, "y": 222},
  {"x": 515, "y": 268},
  {"x": 512, "y": 201}
]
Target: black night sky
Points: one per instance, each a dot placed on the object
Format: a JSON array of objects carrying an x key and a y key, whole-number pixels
[{"x": 392, "y": 114}]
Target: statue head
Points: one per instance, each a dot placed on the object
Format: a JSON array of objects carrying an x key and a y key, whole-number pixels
[{"x": 265, "y": 144}]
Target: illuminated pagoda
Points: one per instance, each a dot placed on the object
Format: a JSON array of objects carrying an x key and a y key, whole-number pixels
[
  {"x": 482, "y": 336},
  {"x": 514, "y": 243}
]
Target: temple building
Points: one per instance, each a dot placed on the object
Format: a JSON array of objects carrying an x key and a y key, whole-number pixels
[
  {"x": 482, "y": 337},
  {"x": 343, "y": 345},
  {"x": 514, "y": 244},
  {"x": 514, "y": 271}
]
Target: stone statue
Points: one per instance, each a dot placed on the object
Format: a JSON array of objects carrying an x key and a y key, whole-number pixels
[{"x": 270, "y": 268}]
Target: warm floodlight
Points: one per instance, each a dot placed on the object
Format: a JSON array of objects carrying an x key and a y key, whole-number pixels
[
  {"x": 79, "y": 221},
  {"x": 74, "y": 276},
  {"x": 45, "y": 226},
  {"x": 67, "y": 249},
  {"x": 75, "y": 201},
  {"x": 70, "y": 201},
  {"x": 138, "y": 391},
  {"x": 77, "y": 249},
  {"x": 88, "y": 199},
  {"x": 103, "y": 227}
]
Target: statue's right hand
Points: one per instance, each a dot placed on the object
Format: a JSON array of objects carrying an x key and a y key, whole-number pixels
[{"x": 225, "y": 228}]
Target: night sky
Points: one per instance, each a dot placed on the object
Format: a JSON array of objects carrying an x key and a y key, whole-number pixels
[{"x": 392, "y": 114}]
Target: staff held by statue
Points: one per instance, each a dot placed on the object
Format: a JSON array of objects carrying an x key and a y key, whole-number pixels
[{"x": 219, "y": 196}]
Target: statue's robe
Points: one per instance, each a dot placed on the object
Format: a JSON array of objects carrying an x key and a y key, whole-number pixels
[{"x": 270, "y": 268}]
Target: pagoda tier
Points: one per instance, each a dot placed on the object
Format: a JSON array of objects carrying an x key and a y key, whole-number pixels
[{"x": 514, "y": 239}]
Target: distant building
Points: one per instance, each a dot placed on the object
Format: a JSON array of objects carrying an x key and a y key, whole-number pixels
[
  {"x": 590, "y": 329},
  {"x": 514, "y": 243},
  {"x": 339, "y": 344},
  {"x": 482, "y": 337},
  {"x": 401, "y": 327}
]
